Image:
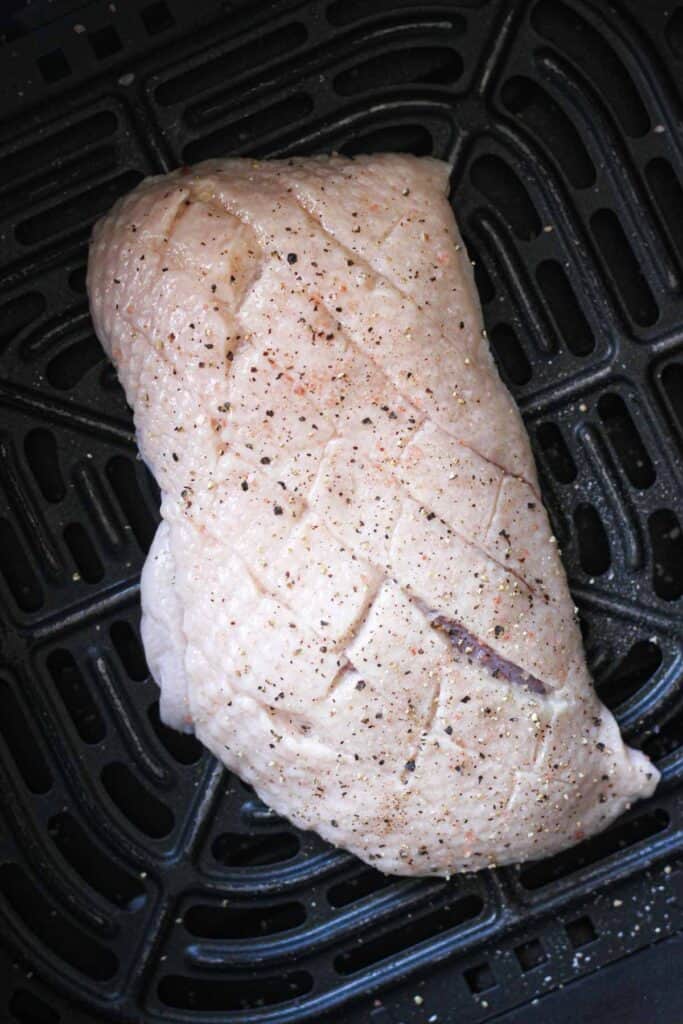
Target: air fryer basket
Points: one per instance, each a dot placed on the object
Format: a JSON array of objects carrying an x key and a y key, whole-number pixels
[{"x": 138, "y": 879}]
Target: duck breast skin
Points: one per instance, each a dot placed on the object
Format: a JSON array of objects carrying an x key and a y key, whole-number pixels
[{"x": 354, "y": 598}]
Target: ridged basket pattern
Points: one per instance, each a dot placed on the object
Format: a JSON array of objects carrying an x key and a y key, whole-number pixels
[{"x": 137, "y": 877}]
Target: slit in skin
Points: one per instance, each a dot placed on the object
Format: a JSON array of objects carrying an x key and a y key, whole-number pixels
[
  {"x": 492, "y": 462},
  {"x": 345, "y": 669},
  {"x": 469, "y": 645},
  {"x": 464, "y": 643},
  {"x": 384, "y": 237},
  {"x": 231, "y": 207},
  {"x": 428, "y": 511},
  {"x": 295, "y": 722},
  {"x": 249, "y": 290},
  {"x": 405, "y": 296},
  {"x": 494, "y": 509},
  {"x": 346, "y": 665},
  {"x": 425, "y": 733},
  {"x": 513, "y": 793}
]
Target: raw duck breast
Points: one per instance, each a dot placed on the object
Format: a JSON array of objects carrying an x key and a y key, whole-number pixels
[{"x": 354, "y": 598}]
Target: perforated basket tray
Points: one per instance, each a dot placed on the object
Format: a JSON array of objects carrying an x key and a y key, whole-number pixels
[{"x": 138, "y": 880}]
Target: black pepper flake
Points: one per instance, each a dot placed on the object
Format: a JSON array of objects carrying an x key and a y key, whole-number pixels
[
  {"x": 449, "y": 730},
  {"x": 269, "y": 412},
  {"x": 366, "y": 420},
  {"x": 278, "y": 510},
  {"x": 292, "y": 257},
  {"x": 213, "y": 288},
  {"x": 410, "y": 765},
  {"x": 431, "y": 515},
  {"x": 465, "y": 700},
  {"x": 174, "y": 456},
  {"x": 265, "y": 461},
  {"x": 600, "y": 746},
  {"x": 244, "y": 485},
  {"x": 360, "y": 685},
  {"x": 334, "y": 823},
  {"x": 499, "y": 630}
]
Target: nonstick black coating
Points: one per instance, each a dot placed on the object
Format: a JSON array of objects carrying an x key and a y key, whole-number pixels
[{"x": 139, "y": 880}]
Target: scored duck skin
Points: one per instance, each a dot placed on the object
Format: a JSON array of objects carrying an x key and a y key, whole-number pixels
[{"x": 354, "y": 598}]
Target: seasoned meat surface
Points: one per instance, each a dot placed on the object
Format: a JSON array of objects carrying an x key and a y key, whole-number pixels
[{"x": 354, "y": 598}]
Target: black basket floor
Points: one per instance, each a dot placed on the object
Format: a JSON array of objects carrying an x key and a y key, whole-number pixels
[{"x": 139, "y": 880}]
